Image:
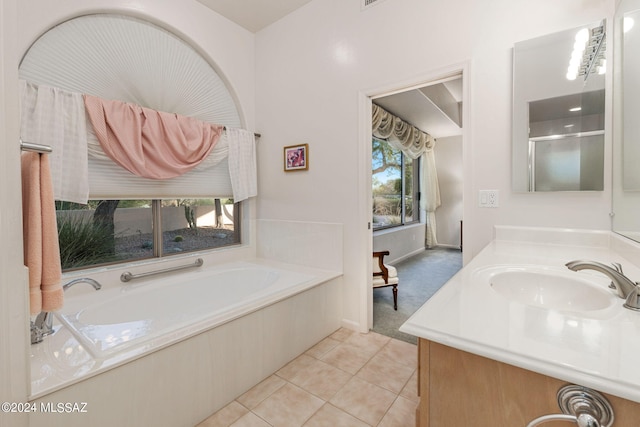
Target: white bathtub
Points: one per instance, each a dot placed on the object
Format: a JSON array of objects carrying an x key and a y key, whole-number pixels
[
  {"x": 156, "y": 310},
  {"x": 217, "y": 331}
]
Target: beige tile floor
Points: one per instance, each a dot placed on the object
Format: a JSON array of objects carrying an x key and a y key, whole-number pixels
[{"x": 348, "y": 379}]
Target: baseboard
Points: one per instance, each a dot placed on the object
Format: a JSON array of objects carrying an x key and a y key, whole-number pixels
[
  {"x": 405, "y": 256},
  {"x": 351, "y": 325},
  {"x": 448, "y": 246}
]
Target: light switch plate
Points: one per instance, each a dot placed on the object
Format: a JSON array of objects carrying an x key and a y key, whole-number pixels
[{"x": 488, "y": 199}]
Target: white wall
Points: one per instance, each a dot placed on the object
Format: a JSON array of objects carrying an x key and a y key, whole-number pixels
[
  {"x": 14, "y": 326},
  {"x": 401, "y": 242},
  {"x": 314, "y": 66},
  {"x": 227, "y": 45},
  {"x": 317, "y": 245},
  {"x": 448, "y": 153}
]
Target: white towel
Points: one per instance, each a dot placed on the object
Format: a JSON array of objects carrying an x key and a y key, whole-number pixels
[
  {"x": 242, "y": 163},
  {"x": 54, "y": 117}
]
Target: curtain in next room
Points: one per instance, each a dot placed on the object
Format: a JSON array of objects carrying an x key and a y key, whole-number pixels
[{"x": 415, "y": 144}]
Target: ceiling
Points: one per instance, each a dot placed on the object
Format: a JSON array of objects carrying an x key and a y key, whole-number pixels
[
  {"x": 435, "y": 109},
  {"x": 562, "y": 107},
  {"x": 254, "y": 15}
]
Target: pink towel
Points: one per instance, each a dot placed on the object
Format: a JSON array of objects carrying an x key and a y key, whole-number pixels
[
  {"x": 150, "y": 143},
  {"x": 40, "y": 235}
]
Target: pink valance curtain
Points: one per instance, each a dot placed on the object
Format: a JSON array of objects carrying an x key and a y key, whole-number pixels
[{"x": 150, "y": 143}]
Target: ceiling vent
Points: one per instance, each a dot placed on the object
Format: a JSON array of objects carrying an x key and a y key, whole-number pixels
[{"x": 365, "y": 4}]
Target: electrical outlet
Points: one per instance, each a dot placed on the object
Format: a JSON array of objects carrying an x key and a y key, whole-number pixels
[
  {"x": 488, "y": 199},
  {"x": 493, "y": 198}
]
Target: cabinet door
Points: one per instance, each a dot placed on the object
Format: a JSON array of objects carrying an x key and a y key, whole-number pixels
[{"x": 462, "y": 389}]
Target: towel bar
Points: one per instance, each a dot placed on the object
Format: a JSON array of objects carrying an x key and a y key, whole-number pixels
[
  {"x": 38, "y": 148},
  {"x": 126, "y": 276},
  {"x": 584, "y": 406}
]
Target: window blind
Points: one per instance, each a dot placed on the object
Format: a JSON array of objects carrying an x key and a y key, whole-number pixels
[
  {"x": 109, "y": 181},
  {"x": 132, "y": 60}
]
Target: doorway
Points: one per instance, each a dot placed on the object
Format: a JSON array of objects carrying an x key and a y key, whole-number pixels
[{"x": 435, "y": 106}]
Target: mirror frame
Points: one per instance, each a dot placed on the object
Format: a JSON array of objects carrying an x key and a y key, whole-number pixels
[{"x": 625, "y": 203}]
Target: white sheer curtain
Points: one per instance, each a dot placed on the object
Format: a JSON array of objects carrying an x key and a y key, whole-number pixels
[
  {"x": 431, "y": 192},
  {"x": 414, "y": 143}
]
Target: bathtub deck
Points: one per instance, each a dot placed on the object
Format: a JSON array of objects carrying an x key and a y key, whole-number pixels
[
  {"x": 348, "y": 378},
  {"x": 64, "y": 359}
]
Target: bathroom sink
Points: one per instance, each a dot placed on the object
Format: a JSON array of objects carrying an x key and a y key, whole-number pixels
[{"x": 548, "y": 288}]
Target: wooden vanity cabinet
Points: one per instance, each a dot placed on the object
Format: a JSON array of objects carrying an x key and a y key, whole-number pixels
[{"x": 459, "y": 389}]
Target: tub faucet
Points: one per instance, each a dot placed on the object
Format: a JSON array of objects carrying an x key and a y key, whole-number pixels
[
  {"x": 43, "y": 325},
  {"x": 96, "y": 285},
  {"x": 625, "y": 288}
]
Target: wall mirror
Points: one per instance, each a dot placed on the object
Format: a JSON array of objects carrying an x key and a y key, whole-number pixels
[
  {"x": 559, "y": 110},
  {"x": 626, "y": 132}
]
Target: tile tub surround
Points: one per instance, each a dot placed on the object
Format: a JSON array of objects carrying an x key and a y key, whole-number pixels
[
  {"x": 348, "y": 379},
  {"x": 594, "y": 349}
]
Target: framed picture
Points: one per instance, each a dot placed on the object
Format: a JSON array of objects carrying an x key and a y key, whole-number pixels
[{"x": 296, "y": 157}]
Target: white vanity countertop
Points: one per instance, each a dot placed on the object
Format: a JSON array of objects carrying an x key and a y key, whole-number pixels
[{"x": 597, "y": 349}]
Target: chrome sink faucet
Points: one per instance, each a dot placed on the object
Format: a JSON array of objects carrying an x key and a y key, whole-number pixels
[
  {"x": 43, "y": 325},
  {"x": 625, "y": 287}
]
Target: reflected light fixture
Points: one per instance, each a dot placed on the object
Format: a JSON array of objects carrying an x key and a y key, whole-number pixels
[
  {"x": 574, "y": 109},
  {"x": 602, "y": 68},
  {"x": 627, "y": 23},
  {"x": 343, "y": 54},
  {"x": 588, "y": 53}
]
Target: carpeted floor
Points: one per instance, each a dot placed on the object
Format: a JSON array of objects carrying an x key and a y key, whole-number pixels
[{"x": 419, "y": 278}]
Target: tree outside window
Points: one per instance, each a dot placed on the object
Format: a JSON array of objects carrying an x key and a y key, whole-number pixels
[
  {"x": 117, "y": 231},
  {"x": 394, "y": 186}
]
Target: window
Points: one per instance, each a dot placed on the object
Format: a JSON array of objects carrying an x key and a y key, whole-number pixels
[
  {"x": 395, "y": 183},
  {"x": 128, "y": 217},
  {"x": 116, "y": 231}
]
